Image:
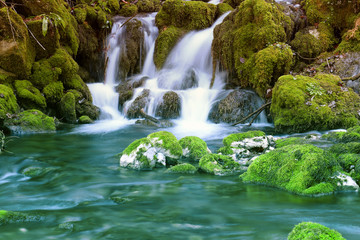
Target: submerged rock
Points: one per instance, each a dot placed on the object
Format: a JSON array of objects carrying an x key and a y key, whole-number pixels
[
  {"x": 193, "y": 148},
  {"x": 8, "y": 217},
  {"x": 219, "y": 165},
  {"x": 161, "y": 123},
  {"x": 184, "y": 168},
  {"x": 301, "y": 103},
  {"x": 244, "y": 147},
  {"x": 85, "y": 120},
  {"x": 302, "y": 169},
  {"x": 314, "y": 231},
  {"x": 169, "y": 107},
  {"x": 158, "y": 149}
]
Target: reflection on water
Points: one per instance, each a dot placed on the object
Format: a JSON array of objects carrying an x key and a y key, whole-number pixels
[{"x": 83, "y": 194}]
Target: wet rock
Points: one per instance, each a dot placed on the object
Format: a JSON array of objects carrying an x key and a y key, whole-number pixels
[
  {"x": 67, "y": 108},
  {"x": 149, "y": 123},
  {"x": 169, "y": 107},
  {"x": 85, "y": 120},
  {"x": 28, "y": 96},
  {"x": 193, "y": 148},
  {"x": 139, "y": 103},
  {"x": 234, "y": 107},
  {"x": 310, "y": 230},
  {"x": 8, "y": 104},
  {"x": 219, "y": 165},
  {"x": 184, "y": 168},
  {"x": 158, "y": 149},
  {"x": 126, "y": 89}
]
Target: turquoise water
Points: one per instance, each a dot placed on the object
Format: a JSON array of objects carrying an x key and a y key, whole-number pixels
[{"x": 83, "y": 194}]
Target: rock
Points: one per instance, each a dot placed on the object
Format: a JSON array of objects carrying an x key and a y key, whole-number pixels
[
  {"x": 139, "y": 103},
  {"x": 282, "y": 142},
  {"x": 345, "y": 182},
  {"x": 67, "y": 108},
  {"x": 8, "y": 104},
  {"x": 128, "y": 10},
  {"x": 36, "y": 171},
  {"x": 126, "y": 89},
  {"x": 169, "y": 107},
  {"x": 184, "y": 168},
  {"x": 28, "y": 96},
  {"x": 290, "y": 110},
  {"x": 351, "y": 135},
  {"x": 301, "y": 169},
  {"x": 235, "y": 106},
  {"x": 243, "y": 147},
  {"x": 149, "y": 123},
  {"x": 219, "y": 165},
  {"x": 310, "y": 230},
  {"x": 223, "y": 8},
  {"x": 53, "y": 93},
  {"x": 8, "y": 217},
  {"x": 85, "y": 120},
  {"x": 148, "y": 5},
  {"x": 158, "y": 149},
  {"x": 30, "y": 121},
  {"x": 193, "y": 148}
]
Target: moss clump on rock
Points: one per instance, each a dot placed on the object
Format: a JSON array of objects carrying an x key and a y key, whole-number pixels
[
  {"x": 43, "y": 73},
  {"x": 236, "y": 137},
  {"x": 189, "y": 15},
  {"x": 148, "y": 5},
  {"x": 8, "y": 103},
  {"x": 184, "y": 168},
  {"x": 301, "y": 103},
  {"x": 351, "y": 135},
  {"x": 28, "y": 96},
  {"x": 128, "y": 10},
  {"x": 193, "y": 148},
  {"x": 314, "y": 231},
  {"x": 351, "y": 39},
  {"x": 290, "y": 141},
  {"x": 16, "y": 51},
  {"x": 219, "y": 165},
  {"x": 67, "y": 108},
  {"x": 223, "y": 8},
  {"x": 31, "y": 121},
  {"x": 53, "y": 92},
  {"x": 169, "y": 107},
  {"x": 301, "y": 169},
  {"x": 85, "y": 120},
  {"x": 252, "y": 26},
  {"x": 158, "y": 149},
  {"x": 164, "y": 43}
]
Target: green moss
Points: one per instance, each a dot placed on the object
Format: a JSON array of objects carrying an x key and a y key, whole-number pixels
[
  {"x": 195, "y": 147},
  {"x": 266, "y": 66},
  {"x": 296, "y": 168},
  {"x": 43, "y": 73},
  {"x": 342, "y": 148},
  {"x": 348, "y": 161},
  {"x": 16, "y": 51},
  {"x": 53, "y": 92},
  {"x": 168, "y": 141},
  {"x": 75, "y": 82},
  {"x": 313, "y": 231},
  {"x": 128, "y": 10},
  {"x": 7, "y": 217},
  {"x": 248, "y": 29},
  {"x": 190, "y": 15},
  {"x": 134, "y": 145},
  {"x": 164, "y": 44},
  {"x": 233, "y": 3},
  {"x": 223, "y": 8},
  {"x": 67, "y": 108},
  {"x": 6, "y": 78},
  {"x": 32, "y": 121},
  {"x": 148, "y": 5},
  {"x": 183, "y": 168},
  {"x": 290, "y": 141},
  {"x": 225, "y": 150},
  {"x": 219, "y": 165},
  {"x": 62, "y": 59},
  {"x": 297, "y": 108},
  {"x": 80, "y": 14},
  {"x": 235, "y": 137},
  {"x": 8, "y": 102},
  {"x": 35, "y": 171},
  {"x": 85, "y": 120},
  {"x": 28, "y": 96}
]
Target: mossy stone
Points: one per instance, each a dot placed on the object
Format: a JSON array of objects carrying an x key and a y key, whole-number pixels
[
  {"x": 314, "y": 231},
  {"x": 148, "y": 5},
  {"x": 67, "y": 108},
  {"x": 184, "y": 168},
  {"x": 53, "y": 92},
  {"x": 295, "y": 168},
  {"x": 343, "y": 148},
  {"x": 301, "y": 103},
  {"x": 7, "y": 78},
  {"x": 85, "y": 120},
  {"x": 28, "y": 96},
  {"x": 166, "y": 140},
  {"x": 290, "y": 141},
  {"x": 80, "y": 14},
  {"x": 44, "y": 73},
  {"x": 233, "y": 3},
  {"x": 194, "y": 148},
  {"x": 219, "y": 165},
  {"x": 223, "y": 8},
  {"x": 128, "y": 10},
  {"x": 236, "y": 137},
  {"x": 31, "y": 121},
  {"x": 75, "y": 82},
  {"x": 8, "y": 102}
]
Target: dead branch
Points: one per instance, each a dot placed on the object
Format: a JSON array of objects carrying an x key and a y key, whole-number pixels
[
  {"x": 256, "y": 113},
  {"x": 351, "y": 78},
  {"x": 142, "y": 112}
]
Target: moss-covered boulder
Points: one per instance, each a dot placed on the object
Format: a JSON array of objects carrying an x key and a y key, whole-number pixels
[
  {"x": 67, "y": 108},
  {"x": 16, "y": 51},
  {"x": 53, "y": 92},
  {"x": 301, "y": 169},
  {"x": 8, "y": 217},
  {"x": 128, "y": 10},
  {"x": 193, "y": 148},
  {"x": 165, "y": 42},
  {"x": 8, "y": 103},
  {"x": 189, "y": 15},
  {"x": 311, "y": 42},
  {"x": 158, "y": 149},
  {"x": 85, "y": 120},
  {"x": 219, "y": 165},
  {"x": 169, "y": 107},
  {"x": 184, "y": 168},
  {"x": 301, "y": 103},
  {"x": 30, "y": 121},
  {"x": 252, "y": 26},
  {"x": 351, "y": 39},
  {"x": 351, "y": 135},
  {"x": 314, "y": 231},
  {"x": 7, "y": 78},
  {"x": 282, "y": 142},
  {"x": 28, "y": 96},
  {"x": 243, "y": 147},
  {"x": 233, "y": 3},
  {"x": 148, "y": 5},
  {"x": 222, "y": 8}
]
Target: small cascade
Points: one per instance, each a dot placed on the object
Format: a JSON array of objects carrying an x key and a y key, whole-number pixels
[{"x": 150, "y": 34}]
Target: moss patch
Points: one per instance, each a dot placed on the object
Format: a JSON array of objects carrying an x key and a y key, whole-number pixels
[
  {"x": 7, "y": 217},
  {"x": 296, "y": 168},
  {"x": 219, "y": 165},
  {"x": 67, "y": 108},
  {"x": 148, "y": 5},
  {"x": 310, "y": 230},
  {"x": 168, "y": 141},
  {"x": 193, "y": 148},
  {"x": 85, "y": 120},
  {"x": 302, "y": 103},
  {"x": 236, "y": 137},
  {"x": 184, "y": 168},
  {"x": 32, "y": 121},
  {"x": 8, "y": 102},
  {"x": 53, "y": 92},
  {"x": 28, "y": 96}
]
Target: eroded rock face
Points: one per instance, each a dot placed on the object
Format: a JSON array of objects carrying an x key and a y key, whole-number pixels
[
  {"x": 169, "y": 107},
  {"x": 234, "y": 107},
  {"x": 126, "y": 89}
]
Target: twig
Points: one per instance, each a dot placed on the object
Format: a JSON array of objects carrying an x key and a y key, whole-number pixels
[
  {"x": 257, "y": 114},
  {"x": 142, "y": 112},
  {"x": 127, "y": 21},
  {"x": 351, "y": 78},
  {"x": 34, "y": 37},
  {"x": 257, "y": 111}
]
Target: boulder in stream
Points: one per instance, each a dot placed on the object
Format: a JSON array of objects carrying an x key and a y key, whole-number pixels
[
  {"x": 169, "y": 107},
  {"x": 219, "y": 165},
  {"x": 310, "y": 230},
  {"x": 138, "y": 104},
  {"x": 193, "y": 148}
]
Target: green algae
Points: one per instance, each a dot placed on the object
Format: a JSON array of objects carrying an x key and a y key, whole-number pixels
[{"x": 235, "y": 137}]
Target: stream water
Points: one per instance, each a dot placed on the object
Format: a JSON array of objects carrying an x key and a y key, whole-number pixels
[{"x": 83, "y": 194}]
